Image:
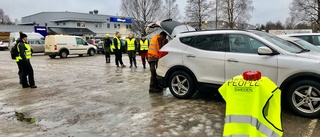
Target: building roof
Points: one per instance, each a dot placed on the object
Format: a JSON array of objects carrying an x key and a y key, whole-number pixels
[
  {"x": 70, "y": 30},
  {"x": 78, "y": 15},
  {"x": 76, "y": 19}
]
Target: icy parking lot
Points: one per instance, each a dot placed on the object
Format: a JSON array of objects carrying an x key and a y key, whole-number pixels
[{"x": 85, "y": 97}]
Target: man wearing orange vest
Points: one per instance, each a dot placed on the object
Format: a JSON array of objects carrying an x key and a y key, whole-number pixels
[{"x": 156, "y": 44}]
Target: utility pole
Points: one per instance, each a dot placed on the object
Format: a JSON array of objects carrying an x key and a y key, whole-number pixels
[{"x": 216, "y": 14}]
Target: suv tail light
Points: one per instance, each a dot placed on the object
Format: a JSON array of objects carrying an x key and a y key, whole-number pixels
[
  {"x": 55, "y": 47},
  {"x": 163, "y": 53}
]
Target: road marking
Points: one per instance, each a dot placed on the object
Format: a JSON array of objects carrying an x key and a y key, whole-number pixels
[{"x": 311, "y": 127}]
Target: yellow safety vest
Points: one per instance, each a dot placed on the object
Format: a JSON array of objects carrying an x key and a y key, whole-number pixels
[
  {"x": 253, "y": 108},
  {"x": 112, "y": 47},
  {"x": 27, "y": 52},
  {"x": 130, "y": 44},
  {"x": 144, "y": 45}
]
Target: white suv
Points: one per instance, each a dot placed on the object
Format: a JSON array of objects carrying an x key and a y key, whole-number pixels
[{"x": 204, "y": 60}]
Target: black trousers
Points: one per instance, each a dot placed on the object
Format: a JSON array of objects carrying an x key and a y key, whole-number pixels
[
  {"x": 132, "y": 57},
  {"x": 19, "y": 73},
  {"x": 107, "y": 54},
  {"x": 118, "y": 55},
  {"x": 153, "y": 80},
  {"x": 26, "y": 70}
]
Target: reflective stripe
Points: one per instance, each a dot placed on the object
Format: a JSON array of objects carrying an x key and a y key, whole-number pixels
[
  {"x": 237, "y": 136},
  {"x": 254, "y": 122},
  {"x": 153, "y": 49}
]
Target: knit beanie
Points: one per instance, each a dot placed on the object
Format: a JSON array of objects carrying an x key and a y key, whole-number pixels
[{"x": 22, "y": 35}]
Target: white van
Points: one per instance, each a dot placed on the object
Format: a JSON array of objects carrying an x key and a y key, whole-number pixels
[
  {"x": 31, "y": 36},
  {"x": 67, "y": 45}
]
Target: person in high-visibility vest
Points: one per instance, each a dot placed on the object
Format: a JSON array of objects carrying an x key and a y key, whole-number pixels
[
  {"x": 143, "y": 49},
  {"x": 131, "y": 49},
  {"x": 23, "y": 60},
  {"x": 116, "y": 48},
  {"x": 107, "y": 45},
  {"x": 253, "y": 108},
  {"x": 156, "y": 44}
]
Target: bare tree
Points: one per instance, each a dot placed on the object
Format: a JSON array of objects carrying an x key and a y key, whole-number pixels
[
  {"x": 199, "y": 11},
  {"x": 236, "y": 11},
  {"x": 142, "y": 12},
  {"x": 306, "y": 11},
  {"x": 290, "y": 22},
  {"x": 171, "y": 10},
  {"x": 4, "y": 19}
]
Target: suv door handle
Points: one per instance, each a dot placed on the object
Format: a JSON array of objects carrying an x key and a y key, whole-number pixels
[
  {"x": 191, "y": 56},
  {"x": 233, "y": 60}
]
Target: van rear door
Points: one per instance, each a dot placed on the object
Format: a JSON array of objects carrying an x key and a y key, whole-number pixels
[{"x": 50, "y": 44}]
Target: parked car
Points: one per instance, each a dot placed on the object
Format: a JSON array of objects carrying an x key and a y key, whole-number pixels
[
  {"x": 98, "y": 43},
  {"x": 67, "y": 45},
  {"x": 300, "y": 42},
  {"x": 204, "y": 60},
  {"x": 4, "y": 45},
  {"x": 313, "y": 38},
  {"x": 31, "y": 36},
  {"x": 37, "y": 46}
]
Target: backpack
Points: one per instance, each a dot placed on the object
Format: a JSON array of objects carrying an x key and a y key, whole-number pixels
[{"x": 14, "y": 51}]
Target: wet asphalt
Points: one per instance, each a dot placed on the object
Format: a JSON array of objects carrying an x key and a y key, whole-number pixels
[{"x": 85, "y": 97}]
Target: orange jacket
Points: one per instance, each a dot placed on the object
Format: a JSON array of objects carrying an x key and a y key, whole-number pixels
[{"x": 154, "y": 47}]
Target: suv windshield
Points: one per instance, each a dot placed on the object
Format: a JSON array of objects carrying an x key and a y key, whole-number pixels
[{"x": 278, "y": 42}]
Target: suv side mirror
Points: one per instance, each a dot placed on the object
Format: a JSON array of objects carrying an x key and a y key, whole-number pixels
[{"x": 265, "y": 51}]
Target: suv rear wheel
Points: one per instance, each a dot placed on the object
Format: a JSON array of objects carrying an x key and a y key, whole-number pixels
[
  {"x": 303, "y": 98},
  {"x": 181, "y": 85}
]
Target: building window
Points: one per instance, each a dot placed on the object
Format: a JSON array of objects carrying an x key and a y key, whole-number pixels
[
  {"x": 46, "y": 24},
  {"x": 118, "y": 26},
  {"x": 115, "y": 26},
  {"x": 98, "y": 25},
  {"x": 57, "y": 24},
  {"x": 127, "y": 26},
  {"x": 108, "y": 25},
  {"x": 64, "y": 23},
  {"x": 81, "y": 24}
]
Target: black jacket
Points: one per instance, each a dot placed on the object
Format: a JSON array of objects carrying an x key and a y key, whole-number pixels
[
  {"x": 107, "y": 43},
  {"x": 21, "y": 49}
]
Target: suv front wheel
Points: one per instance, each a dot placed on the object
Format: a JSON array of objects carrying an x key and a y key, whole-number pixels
[
  {"x": 181, "y": 85},
  {"x": 303, "y": 97}
]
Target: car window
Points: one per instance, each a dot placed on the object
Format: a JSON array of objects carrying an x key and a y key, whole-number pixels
[
  {"x": 244, "y": 44},
  {"x": 307, "y": 45},
  {"x": 315, "y": 40},
  {"x": 306, "y": 38},
  {"x": 215, "y": 42},
  {"x": 187, "y": 40},
  {"x": 80, "y": 41}
]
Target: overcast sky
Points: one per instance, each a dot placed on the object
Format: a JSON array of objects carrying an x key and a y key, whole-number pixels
[{"x": 265, "y": 10}]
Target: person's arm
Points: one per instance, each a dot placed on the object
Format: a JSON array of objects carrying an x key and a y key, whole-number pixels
[
  {"x": 160, "y": 42},
  {"x": 22, "y": 51},
  {"x": 136, "y": 45}
]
